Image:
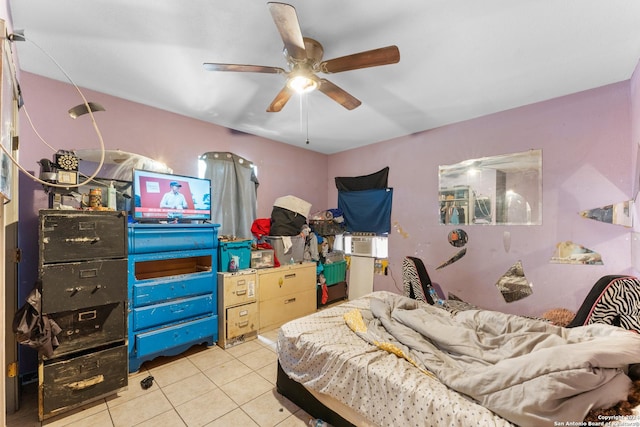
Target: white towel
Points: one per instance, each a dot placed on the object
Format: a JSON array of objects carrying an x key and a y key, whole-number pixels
[{"x": 286, "y": 243}]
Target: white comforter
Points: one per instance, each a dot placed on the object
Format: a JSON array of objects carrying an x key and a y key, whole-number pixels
[{"x": 527, "y": 371}]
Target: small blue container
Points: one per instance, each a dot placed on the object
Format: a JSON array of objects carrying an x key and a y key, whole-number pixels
[{"x": 234, "y": 248}]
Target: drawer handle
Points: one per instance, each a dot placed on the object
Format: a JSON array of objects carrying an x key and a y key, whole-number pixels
[
  {"x": 91, "y": 366},
  {"x": 90, "y": 240},
  {"x": 287, "y": 301},
  {"x": 243, "y": 324},
  {"x": 240, "y": 282},
  {"x": 87, "y": 315},
  {"x": 73, "y": 291},
  {"x": 243, "y": 313},
  {"x": 241, "y": 292},
  {"x": 85, "y": 225},
  {"x": 85, "y": 274},
  {"x": 290, "y": 276},
  {"x": 89, "y": 382}
]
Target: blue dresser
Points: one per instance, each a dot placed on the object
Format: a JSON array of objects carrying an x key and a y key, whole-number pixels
[{"x": 172, "y": 289}]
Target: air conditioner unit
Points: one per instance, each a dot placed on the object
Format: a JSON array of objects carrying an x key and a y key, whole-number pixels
[{"x": 366, "y": 245}]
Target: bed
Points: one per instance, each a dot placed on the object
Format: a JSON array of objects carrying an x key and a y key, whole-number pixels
[{"x": 367, "y": 362}]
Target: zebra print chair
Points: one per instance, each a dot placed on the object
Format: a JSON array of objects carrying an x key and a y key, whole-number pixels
[
  {"x": 614, "y": 300},
  {"x": 415, "y": 280}
]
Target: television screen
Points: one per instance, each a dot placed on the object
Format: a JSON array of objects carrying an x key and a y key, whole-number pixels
[{"x": 163, "y": 196}]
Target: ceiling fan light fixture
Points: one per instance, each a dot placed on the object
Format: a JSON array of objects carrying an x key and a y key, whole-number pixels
[
  {"x": 304, "y": 60},
  {"x": 303, "y": 84}
]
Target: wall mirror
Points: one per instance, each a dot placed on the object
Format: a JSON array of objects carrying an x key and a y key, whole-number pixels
[{"x": 497, "y": 190}]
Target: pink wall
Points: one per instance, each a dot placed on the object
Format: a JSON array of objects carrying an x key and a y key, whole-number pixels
[
  {"x": 634, "y": 95},
  {"x": 164, "y": 136},
  {"x": 586, "y": 163},
  {"x": 161, "y": 135},
  {"x": 634, "y": 90}
]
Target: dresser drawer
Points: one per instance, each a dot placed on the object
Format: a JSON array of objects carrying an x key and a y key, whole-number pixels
[
  {"x": 152, "y": 238},
  {"x": 238, "y": 288},
  {"x": 279, "y": 310},
  {"x": 90, "y": 327},
  {"x": 161, "y": 290},
  {"x": 66, "y": 383},
  {"x": 81, "y": 235},
  {"x": 242, "y": 320},
  {"x": 171, "y": 312},
  {"x": 163, "y": 339},
  {"x": 70, "y": 286},
  {"x": 279, "y": 282}
]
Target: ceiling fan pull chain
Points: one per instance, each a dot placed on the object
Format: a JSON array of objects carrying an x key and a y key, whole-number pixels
[
  {"x": 301, "y": 107},
  {"x": 306, "y": 103}
]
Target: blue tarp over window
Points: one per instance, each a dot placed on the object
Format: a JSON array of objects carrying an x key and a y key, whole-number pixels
[{"x": 367, "y": 210}]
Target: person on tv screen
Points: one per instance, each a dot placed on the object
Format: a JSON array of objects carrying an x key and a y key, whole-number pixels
[{"x": 174, "y": 199}]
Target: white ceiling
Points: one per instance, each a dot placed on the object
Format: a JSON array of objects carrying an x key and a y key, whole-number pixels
[{"x": 459, "y": 59}]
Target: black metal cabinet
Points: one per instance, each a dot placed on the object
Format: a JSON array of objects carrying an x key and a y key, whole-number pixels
[{"x": 83, "y": 273}]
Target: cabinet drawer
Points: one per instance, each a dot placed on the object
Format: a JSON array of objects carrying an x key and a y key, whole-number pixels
[
  {"x": 90, "y": 327},
  {"x": 152, "y": 266},
  {"x": 275, "y": 312},
  {"x": 151, "y": 238},
  {"x": 238, "y": 288},
  {"x": 171, "y": 312},
  {"x": 336, "y": 292},
  {"x": 70, "y": 286},
  {"x": 160, "y": 290},
  {"x": 163, "y": 339},
  {"x": 241, "y": 320},
  {"x": 72, "y": 382},
  {"x": 81, "y": 235},
  {"x": 286, "y": 280}
]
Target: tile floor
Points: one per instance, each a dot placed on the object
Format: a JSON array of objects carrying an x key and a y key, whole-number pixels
[{"x": 205, "y": 386}]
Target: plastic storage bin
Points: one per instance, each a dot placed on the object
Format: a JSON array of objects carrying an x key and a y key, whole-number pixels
[
  {"x": 234, "y": 248},
  {"x": 262, "y": 258},
  {"x": 335, "y": 272},
  {"x": 295, "y": 252}
]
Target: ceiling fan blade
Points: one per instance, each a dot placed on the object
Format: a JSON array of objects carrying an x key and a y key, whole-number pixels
[
  {"x": 280, "y": 100},
  {"x": 339, "y": 95},
  {"x": 285, "y": 17},
  {"x": 210, "y": 66},
  {"x": 369, "y": 58}
]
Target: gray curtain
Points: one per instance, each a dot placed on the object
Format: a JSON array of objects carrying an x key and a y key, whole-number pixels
[{"x": 234, "y": 189}]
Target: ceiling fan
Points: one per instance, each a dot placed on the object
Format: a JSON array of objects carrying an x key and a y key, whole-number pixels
[{"x": 304, "y": 58}]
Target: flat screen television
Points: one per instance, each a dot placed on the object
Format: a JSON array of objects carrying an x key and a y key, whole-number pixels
[{"x": 169, "y": 197}]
